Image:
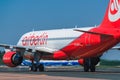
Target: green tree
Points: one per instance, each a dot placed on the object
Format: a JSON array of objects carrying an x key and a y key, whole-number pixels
[{"x": 1, "y": 55}]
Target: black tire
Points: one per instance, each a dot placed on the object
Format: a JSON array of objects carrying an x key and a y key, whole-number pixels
[
  {"x": 41, "y": 67},
  {"x": 92, "y": 68},
  {"x": 86, "y": 65},
  {"x": 94, "y": 62},
  {"x": 34, "y": 68},
  {"x": 90, "y": 64},
  {"x": 86, "y": 68}
]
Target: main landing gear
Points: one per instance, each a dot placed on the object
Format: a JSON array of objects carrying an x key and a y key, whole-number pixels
[
  {"x": 36, "y": 63},
  {"x": 36, "y": 67},
  {"x": 90, "y": 64}
]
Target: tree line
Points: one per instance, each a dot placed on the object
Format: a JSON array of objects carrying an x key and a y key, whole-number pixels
[{"x": 1, "y": 55}]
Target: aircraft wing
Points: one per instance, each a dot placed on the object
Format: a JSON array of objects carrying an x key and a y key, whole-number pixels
[{"x": 44, "y": 50}]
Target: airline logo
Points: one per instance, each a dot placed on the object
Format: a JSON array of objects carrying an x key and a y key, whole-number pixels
[
  {"x": 33, "y": 39},
  {"x": 114, "y": 10}
]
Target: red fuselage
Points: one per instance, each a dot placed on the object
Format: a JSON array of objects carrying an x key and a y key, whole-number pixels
[{"x": 92, "y": 45}]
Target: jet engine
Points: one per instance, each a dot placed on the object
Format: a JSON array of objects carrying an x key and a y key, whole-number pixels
[{"x": 12, "y": 59}]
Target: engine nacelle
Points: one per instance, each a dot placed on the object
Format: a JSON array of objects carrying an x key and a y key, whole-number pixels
[{"x": 12, "y": 59}]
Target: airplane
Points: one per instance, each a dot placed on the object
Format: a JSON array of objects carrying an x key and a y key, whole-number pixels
[{"x": 86, "y": 45}]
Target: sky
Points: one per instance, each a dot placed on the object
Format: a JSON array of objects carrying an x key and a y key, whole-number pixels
[{"x": 20, "y": 16}]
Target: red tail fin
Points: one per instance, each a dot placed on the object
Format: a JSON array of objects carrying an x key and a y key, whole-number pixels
[{"x": 112, "y": 16}]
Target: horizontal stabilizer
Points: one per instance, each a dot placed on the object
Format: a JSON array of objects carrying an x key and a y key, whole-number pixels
[{"x": 96, "y": 33}]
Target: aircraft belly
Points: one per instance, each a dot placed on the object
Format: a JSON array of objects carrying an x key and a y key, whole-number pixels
[{"x": 94, "y": 50}]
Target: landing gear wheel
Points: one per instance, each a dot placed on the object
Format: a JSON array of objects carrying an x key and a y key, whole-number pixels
[
  {"x": 86, "y": 65},
  {"x": 41, "y": 67},
  {"x": 86, "y": 68},
  {"x": 33, "y": 68},
  {"x": 90, "y": 64},
  {"x": 92, "y": 68},
  {"x": 37, "y": 65}
]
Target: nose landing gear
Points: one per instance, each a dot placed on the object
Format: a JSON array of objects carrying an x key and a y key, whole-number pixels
[{"x": 36, "y": 65}]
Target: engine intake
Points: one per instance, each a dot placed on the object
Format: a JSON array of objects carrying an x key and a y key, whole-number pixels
[{"x": 12, "y": 59}]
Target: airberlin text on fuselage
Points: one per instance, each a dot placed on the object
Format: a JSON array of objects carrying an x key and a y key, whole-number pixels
[{"x": 33, "y": 39}]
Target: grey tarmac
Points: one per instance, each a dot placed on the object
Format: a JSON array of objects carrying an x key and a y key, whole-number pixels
[{"x": 60, "y": 73}]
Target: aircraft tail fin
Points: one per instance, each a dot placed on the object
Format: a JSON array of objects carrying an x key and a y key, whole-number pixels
[{"x": 112, "y": 15}]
